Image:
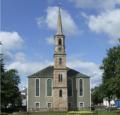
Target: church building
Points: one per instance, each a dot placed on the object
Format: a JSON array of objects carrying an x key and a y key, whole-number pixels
[{"x": 58, "y": 87}]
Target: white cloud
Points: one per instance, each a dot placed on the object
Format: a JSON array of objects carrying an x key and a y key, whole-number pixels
[
  {"x": 40, "y": 21},
  {"x": 69, "y": 26},
  {"x": 11, "y": 40},
  {"x": 50, "y": 40},
  {"x": 107, "y": 22},
  {"x": 89, "y": 68},
  {"x": 26, "y": 67},
  {"x": 96, "y": 4}
]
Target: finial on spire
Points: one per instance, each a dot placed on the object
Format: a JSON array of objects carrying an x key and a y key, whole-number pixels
[{"x": 59, "y": 21}]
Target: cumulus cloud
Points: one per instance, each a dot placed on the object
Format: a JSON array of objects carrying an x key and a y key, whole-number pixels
[
  {"x": 89, "y": 68},
  {"x": 69, "y": 25},
  {"x": 96, "y": 4},
  {"x": 26, "y": 67},
  {"x": 50, "y": 40},
  {"x": 107, "y": 22},
  {"x": 11, "y": 40}
]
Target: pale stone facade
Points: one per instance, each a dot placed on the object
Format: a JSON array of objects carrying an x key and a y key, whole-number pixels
[{"x": 65, "y": 96}]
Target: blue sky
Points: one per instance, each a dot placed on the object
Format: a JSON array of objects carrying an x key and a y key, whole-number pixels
[{"x": 28, "y": 28}]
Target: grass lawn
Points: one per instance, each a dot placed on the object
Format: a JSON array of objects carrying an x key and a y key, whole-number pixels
[
  {"x": 107, "y": 113},
  {"x": 68, "y": 113}
]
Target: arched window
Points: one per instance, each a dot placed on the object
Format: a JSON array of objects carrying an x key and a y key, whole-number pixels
[
  {"x": 49, "y": 87},
  {"x": 81, "y": 87},
  {"x": 37, "y": 83},
  {"x": 60, "y": 93},
  {"x": 70, "y": 87},
  {"x": 60, "y": 61},
  {"x": 59, "y": 42},
  {"x": 60, "y": 77}
]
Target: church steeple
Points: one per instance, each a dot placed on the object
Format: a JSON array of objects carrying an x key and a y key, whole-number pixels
[
  {"x": 59, "y": 38},
  {"x": 59, "y": 23},
  {"x": 60, "y": 98}
]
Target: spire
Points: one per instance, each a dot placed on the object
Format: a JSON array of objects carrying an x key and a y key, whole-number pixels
[{"x": 59, "y": 23}]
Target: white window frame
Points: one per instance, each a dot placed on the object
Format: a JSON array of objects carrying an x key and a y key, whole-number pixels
[
  {"x": 80, "y": 106},
  {"x": 82, "y": 86},
  {"x": 35, "y": 87},
  {"x": 47, "y": 105},
  {"x": 46, "y": 87},
  {"x": 35, "y": 105}
]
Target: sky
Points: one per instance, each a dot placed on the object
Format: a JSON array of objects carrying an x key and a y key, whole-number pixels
[{"x": 28, "y": 27}]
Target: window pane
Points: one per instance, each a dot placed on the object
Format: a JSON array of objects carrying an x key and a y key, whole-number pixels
[
  {"x": 70, "y": 87},
  {"x": 49, "y": 87},
  {"x": 49, "y": 105},
  {"x": 37, "y": 105},
  {"x": 81, "y": 105},
  {"x": 60, "y": 60},
  {"x": 60, "y": 42},
  {"x": 81, "y": 87},
  {"x": 60, "y": 77},
  {"x": 37, "y": 87},
  {"x": 60, "y": 93},
  {"x": 69, "y": 105}
]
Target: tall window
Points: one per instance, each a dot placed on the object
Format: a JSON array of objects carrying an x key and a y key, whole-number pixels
[
  {"x": 81, "y": 87},
  {"x": 60, "y": 42},
  {"x": 60, "y": 61},
  {"x": 60, "y": 93},
  {"x": 60, "y": 77},
  {"x": 70, "y": 86},
  {"x": 37, "y": 87},
  {"x": 49, "y": 87}
]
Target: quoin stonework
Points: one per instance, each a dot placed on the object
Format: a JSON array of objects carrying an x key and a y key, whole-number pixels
[{"x": 58, "y": 87}]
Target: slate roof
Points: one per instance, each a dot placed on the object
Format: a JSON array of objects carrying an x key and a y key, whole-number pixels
[{"x": 48, "y": 72}]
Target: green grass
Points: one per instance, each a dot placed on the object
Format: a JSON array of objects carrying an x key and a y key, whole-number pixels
[
  {"x": 107, "y": 113},
  {"x": 42, "y": 113},
  {"x": 69, "y": 113}
]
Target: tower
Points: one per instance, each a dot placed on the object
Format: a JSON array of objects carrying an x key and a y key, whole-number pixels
[{"x": 60, "y": 98}]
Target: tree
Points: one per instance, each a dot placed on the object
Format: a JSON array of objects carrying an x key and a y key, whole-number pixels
[
  {"x": 111, "y": 73},
  {"x": 2, "y": 71},
  {"x": 10, "y": 91},
  {"x": 97, "y": 95}
]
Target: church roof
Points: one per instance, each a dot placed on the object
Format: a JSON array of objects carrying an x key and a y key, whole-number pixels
[{"x": 48, "y": 73}]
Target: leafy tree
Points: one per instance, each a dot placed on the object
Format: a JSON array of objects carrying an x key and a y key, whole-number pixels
[
  {"x": 2, "y": 71},
  {"x": 111, "y": 73},
  {"x": 10, "y": 91},
  {"x": 97, "y": 95}
]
